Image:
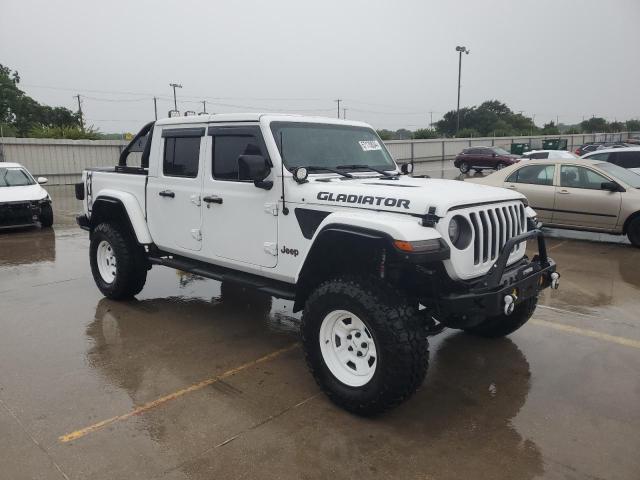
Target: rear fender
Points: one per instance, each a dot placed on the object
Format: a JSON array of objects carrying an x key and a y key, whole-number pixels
[{"x": 114, "y": 204}]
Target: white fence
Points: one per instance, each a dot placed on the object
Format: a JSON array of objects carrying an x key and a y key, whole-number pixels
[{"x": 62, "y": 161}]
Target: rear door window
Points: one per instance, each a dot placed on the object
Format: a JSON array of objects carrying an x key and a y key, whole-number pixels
[
  {"x": 534, "y": 175},
  {"x": 181, "y": 156}
]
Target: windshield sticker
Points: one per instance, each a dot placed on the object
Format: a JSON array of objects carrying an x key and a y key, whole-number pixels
[{"x": 369, "y": 145}]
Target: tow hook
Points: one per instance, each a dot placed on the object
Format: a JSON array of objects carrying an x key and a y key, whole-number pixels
[
  {"x": 509, "y": 304},
  {"x": 555, "y": 280}
]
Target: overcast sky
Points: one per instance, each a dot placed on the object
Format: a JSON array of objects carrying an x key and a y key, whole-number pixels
[{"x": 392, "y": 62}]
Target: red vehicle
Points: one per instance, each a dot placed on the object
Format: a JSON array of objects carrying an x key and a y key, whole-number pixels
[{"x": 484, "y": 158}]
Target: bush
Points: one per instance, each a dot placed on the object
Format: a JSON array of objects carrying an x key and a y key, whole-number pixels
[
  {"x": 425, "y": 133},
  {"x": 72, "y": 132}
]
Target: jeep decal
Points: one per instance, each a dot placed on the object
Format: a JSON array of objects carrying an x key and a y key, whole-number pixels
[{"x": 364, "y": 199}]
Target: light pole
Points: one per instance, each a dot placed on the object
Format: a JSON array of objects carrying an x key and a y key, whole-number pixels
[
  {"x": 460, "y": 51},
  {"x": 175, "y": 103}
]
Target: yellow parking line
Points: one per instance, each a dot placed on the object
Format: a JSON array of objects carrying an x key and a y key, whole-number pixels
[
  {"x": 627, "y": 342},
  {"x": 172, "y": 396}
]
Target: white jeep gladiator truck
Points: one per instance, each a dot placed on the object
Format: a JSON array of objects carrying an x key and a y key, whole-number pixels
[{"x": 316, "y": 211}]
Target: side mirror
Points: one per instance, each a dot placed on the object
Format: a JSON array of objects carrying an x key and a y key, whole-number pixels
[
  {"x": 611, "y": 187},
  {"x": 42, "y": 180},
  {"x": 406, "y": 168},
  {"x": 493, "y": 155}
]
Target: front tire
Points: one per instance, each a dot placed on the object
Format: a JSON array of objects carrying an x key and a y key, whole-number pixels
[
  {"x": 503, "y": 325},
  {"x": 46, "y": 215},
  {"x": 500, "y": 165},
  {"x": 364, "y": 343},
  {"x": 633, "y": 232},
  {"x": 118, "y": 263}
]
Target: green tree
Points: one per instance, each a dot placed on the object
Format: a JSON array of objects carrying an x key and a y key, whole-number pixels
[
  {"x": 489, "y": 118},
  {"x": 595, "y": 125},
  {"x": 616, "y": 127},
  {"x": 632, "y": 125},
  {"x": 23, "y": 113},
  {"x": 550, "y": 129},
  {"x": 385, "y": 134},
  {"x": 425, "y": 133},
  {"x": 468, "y": 133},
  {"x": 403, "y": 134}
]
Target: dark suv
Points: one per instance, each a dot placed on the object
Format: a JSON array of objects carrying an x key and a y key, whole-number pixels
[{"x": 484, "y": 158}]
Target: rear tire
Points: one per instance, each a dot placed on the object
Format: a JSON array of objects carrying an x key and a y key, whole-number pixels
[
  {"x": 633, "y": 232},
  {"x": 464, "y": 167},
  {"x": 46, "y": 215},
  {"x": 364, "y": 344},
  {"x": 503, "y": 325},
  {"x": 118, "y": 263}
]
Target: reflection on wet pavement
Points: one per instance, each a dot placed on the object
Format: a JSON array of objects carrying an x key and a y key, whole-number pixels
[{"x": 541, "y": 403}]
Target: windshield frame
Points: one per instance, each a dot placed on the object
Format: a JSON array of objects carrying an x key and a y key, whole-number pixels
[
  {"x": 275, "y": 128},
  {"x": 611, "y": 169},
  {"x": 26, "y": 174}
]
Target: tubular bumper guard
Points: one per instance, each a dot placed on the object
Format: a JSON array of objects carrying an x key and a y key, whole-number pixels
[{"x": 485, "y": 297}]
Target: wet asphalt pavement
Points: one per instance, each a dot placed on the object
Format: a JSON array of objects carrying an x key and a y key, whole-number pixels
[{"x": 183, "y": 384}]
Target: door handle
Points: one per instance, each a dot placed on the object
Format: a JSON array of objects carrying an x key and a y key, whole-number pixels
[
  {"x": 564, "y": 192},
  {"x": 212, "y": 199},
  {"x": 167, "y": 193}
]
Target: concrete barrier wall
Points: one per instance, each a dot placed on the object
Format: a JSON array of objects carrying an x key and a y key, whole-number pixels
[{"x": 62, "y": 161}]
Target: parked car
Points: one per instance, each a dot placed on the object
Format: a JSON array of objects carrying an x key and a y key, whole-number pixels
[
  {"x": 577, "y": 194},
  {"x": 546, "y": 154},
  {"x": 625, "y": 157},
  {"x": 592, "y": 146},
  {"x": 316, "y": 211},
  {"x": 23, "y": 202},
  {"x": 484, "y": 158}
]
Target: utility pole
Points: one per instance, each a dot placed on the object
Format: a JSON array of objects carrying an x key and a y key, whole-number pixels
[
  {"x": 175, "y": 103},
  {"x": 80, "y": 112},
  {"x": 460, "y": 51},
  {"x": 344, "y": 113},
  {"x": 338, "y": 100},
  {"x": 204, "y": 105},
  {"x": 155, "y": 106},
  {"x": 430, "y": 119}
]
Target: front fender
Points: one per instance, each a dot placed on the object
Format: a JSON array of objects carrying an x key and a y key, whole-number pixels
[
  {"x": 133, "y": 210},
  {"x": 368, "y": 224}
]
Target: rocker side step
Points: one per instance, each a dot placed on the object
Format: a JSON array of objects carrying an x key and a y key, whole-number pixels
[{"x": 269, "y": 286}]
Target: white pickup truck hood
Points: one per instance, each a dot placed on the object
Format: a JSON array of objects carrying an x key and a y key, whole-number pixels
[
  {"x": 405, "y": 195},
  {"x": 22, "y": 194}
]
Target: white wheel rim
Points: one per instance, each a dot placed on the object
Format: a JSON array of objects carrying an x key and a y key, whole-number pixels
[
  {"x": 348, "y": 348},
  {"x": 499, "y": 166},
  {"x": 106, "y": 259}
]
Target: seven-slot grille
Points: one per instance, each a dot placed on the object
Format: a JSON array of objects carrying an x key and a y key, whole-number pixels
[{"x": 492, "y": 227}]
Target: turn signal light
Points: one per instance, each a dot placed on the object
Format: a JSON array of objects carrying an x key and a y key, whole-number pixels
[{"x": 418, "y": 246}]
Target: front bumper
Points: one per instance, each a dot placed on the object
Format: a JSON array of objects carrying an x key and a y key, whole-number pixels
[
  {"x": 21, "y": 214},
  {"x": 485, "y": 297}
]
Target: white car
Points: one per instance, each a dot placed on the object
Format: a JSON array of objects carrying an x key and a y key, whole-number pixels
[
  {"x": 315, "y": 210},
  {"x": 547, "y": 155},
  {"x": 23, "y": 202},
  {"x": 624, "y": 157}
]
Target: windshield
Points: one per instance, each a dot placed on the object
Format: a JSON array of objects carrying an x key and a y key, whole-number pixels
[
  {"x": 627, "y": 176},
  {"x": 330, "y": 146},
  {"x": 500, "y": 151},
  {"x": 14, "y": 177}
]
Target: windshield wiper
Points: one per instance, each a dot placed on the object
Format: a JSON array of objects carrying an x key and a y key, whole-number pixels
[
  {"x": 333, "y": 170},
  {"x": 365, "y": 167}
]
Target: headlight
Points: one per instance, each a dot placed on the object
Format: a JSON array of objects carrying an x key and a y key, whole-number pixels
[
  {"x": 460, "y": 232},
  {"x": 454, "y": 230}
]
